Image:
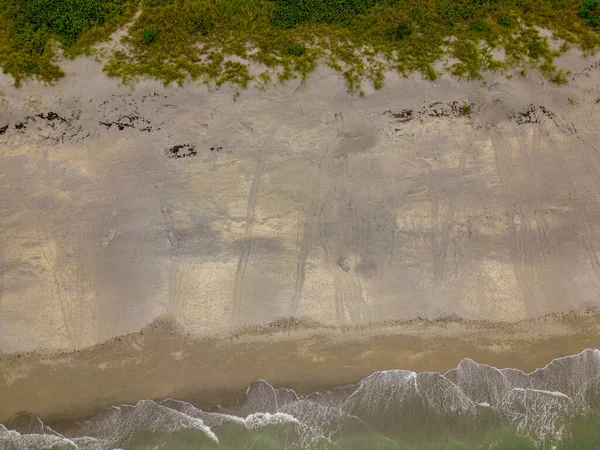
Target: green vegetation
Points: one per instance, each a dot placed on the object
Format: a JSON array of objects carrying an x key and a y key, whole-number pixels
[
  {"x": 402, "y": 31},
  {"x": 296, "y": 49},
  {"x": 243, "y": 41},
  {"x": 590, "y": 12},
  {"x": 149, "y": 35},
  {"x": 31, "y": 31}
]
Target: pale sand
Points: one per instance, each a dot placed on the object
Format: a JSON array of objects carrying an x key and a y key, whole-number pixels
[{"x": 302, "y": 201}]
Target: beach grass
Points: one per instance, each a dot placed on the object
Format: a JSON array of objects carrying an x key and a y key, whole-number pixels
[{"x": 266, "y": 41}]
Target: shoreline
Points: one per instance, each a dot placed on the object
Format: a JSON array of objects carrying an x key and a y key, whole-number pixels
[
  {"x": 159, "y": 362},
  {"x": 446, "y": 199}
]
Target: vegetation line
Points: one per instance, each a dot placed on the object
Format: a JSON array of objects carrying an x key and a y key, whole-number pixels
[{"x": 264, "y": 41}]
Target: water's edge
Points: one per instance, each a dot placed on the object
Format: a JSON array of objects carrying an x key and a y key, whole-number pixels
[{"x": 473, "y": 406}]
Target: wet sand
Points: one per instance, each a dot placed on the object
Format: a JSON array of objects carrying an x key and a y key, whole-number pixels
[
  {"x": 423, "y": 200},
  {"x": 162, "y": 362}
]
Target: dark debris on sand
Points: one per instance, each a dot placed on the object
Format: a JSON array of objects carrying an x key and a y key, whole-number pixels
[
  {"x": 181, "y": 151},
  {"x": 530, "y": 114},
  {"x": 129, "y": 121},
  {"x": 436, "y": 109}
]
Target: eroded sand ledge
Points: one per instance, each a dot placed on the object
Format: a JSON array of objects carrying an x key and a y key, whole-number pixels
[{"x": 424, "y": 199}]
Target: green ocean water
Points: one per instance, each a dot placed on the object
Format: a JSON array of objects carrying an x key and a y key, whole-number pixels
[
  {"x": 583, "y": 435},
  {"x": 471, "y": 407}
]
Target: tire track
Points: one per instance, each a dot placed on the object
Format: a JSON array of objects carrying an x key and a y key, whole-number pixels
[
  {"x": 348, "y": 296},
  {"x": 80, "y": 239},
  {"x": 1, "y": 284},
  {"x": 357, "y": 306},
  {"x": 350, "y": 305},
  {"x": 546, "y": 249},
  {"x": 53, "y": 282},
  {"x": 522, "y": 269},
  {"x": 440, "y": 252},
  {"x": 473, "y": 265},
  {"x": 582, "y": 216},
  {"x": 531, "y": 242},
  {"x": 539, "y": 243},
  {"x": 174, "y": 263},
  {"x": 323, "y": 168},
  {"x": 70, "y": 272},
  {"x": 591, "y": 157},
  {"x": 339, "y": 292},
  {"x": 588, "y": 157},
  {"x": 62, "y": 294},
  {"x": 242, "y": 266}
]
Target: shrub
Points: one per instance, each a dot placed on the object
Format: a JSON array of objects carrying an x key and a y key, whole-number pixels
[
  {"x": 69, "y": 19},
  {"x": 590, "y": 12},
  {"x": 454, "y": 12},
  {"x": 296, "y": 49},
  {"x": 479, "y": 26},
  {"x": 505, "y": 21},
  {"x": 30, "y": 67},
  {"x": 535, "y": 49},
  {"x": 402, "y": 31},
  {"x": 416, "y": 14},
  {"x": 202, "y": 25},
  {"x": 290, "y": 13},
  {"x": 148, "y": 35}
]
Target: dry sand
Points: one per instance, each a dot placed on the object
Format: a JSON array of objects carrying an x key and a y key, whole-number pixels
[{"x": 121, "y": 205}]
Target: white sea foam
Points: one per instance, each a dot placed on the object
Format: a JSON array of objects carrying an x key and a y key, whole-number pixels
[{"x": 538, "y": 405}]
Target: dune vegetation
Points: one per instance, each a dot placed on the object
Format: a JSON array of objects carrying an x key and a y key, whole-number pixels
[{"x": 265, "y": 41}]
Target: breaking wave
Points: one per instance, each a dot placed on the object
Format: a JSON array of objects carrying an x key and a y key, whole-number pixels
[{"x": 471, "y": 406}]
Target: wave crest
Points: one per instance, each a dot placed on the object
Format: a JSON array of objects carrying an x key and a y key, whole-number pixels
[{"x": 540, "y": 406}]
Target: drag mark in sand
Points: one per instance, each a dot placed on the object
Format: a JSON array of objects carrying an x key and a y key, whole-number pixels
[
  {"x": 339, "y": 301},
  {"x": 348, "y": 295},
  {"x": 582, "y": 216},
  {"x": 523, "y": 273},
  {"x": 242, "y": 266},
  {"x": 440, "y": 252},
  {"x": 1, "y": 283},
  {"x": 313, "y": 212},
  {"x": 528, "y": 230}
]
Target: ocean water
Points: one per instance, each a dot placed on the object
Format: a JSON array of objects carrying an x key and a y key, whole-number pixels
[{"x": 473, "y": 406}]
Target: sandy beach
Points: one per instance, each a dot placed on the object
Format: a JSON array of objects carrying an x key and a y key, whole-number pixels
[{"x": 177, "y": 242}]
